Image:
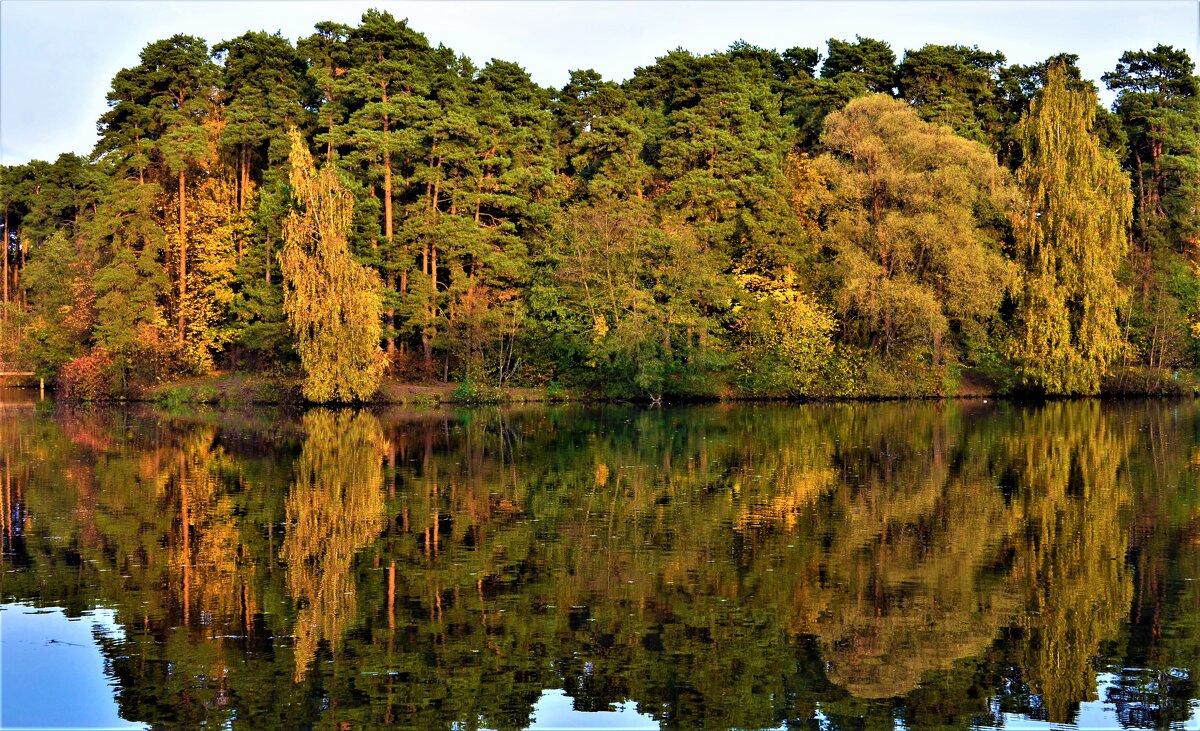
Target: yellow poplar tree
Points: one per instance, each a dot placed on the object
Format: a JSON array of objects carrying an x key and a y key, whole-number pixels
[{"x": 332, "y": 302}]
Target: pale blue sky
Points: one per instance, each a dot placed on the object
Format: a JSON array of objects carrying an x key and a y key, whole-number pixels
[{"x": 57, "y": 57}]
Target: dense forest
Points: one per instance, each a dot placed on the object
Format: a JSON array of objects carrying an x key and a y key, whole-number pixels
[{"x": 364, "y": 204}]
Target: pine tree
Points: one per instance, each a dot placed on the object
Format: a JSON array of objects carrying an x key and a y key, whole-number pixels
[
  {"x": 332, "y": 302},
  {"x": 1070, "y": 240},
  {"x": 1158, "y": 104}
]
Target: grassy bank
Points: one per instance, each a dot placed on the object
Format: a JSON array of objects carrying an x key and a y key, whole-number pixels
[{"x": 250, "y": 388}]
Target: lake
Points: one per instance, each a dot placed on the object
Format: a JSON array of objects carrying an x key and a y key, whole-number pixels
[{"x": 752, "y": 566}]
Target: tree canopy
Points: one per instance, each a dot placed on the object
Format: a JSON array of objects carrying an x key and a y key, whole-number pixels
[{"x": 744, "y": 222}]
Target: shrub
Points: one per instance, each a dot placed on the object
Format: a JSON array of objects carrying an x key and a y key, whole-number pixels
[
  {"x": 555, "y": 391},
  {"x": 91, "y": 377},
  {"x": 469, "y": 392}
]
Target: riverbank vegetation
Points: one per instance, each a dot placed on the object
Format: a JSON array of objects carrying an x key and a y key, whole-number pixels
[{"x": 743, "y": 223}]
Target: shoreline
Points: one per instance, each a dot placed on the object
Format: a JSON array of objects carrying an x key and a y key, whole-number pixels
[{"x": 245, "y": 389}]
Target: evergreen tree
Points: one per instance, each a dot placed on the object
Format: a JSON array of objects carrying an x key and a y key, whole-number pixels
[
  {"x": 871, "y": 60},
  {"x": 954, "y": 86},
  {"x": 328, "y": 60},
  {"x": 391, "y": 76},
  {"x": 1158, "y": 103},
  {"x": 265, "y": 91},
  {"x": 182, "y": 79}
]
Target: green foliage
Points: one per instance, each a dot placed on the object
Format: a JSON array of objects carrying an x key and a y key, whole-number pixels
[
  {"x": 60, "y": 286},
  {"x": 871, "y": 60},
  {"x": 556, "y": 392},
  {"x": 1071, "y": 238},
  {"x": 332, "y": 302},
  {"x": 1158, "y": 104},
  {"x": 629, "y": 314},
  {"x": 266, "y": 92},
  {"x": 172, "y": 397},
  {"x": 954, "y": 86},
  {"x": 602, "y": 235},
  {"x": 469, "y": 392}
]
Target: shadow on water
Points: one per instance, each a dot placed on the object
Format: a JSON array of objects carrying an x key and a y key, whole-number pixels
[{"x": 727, "y": 566}]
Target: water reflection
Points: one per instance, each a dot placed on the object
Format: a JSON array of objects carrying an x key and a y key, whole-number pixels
[
  {"x": 842, "y": 566},
  {"x": 334, "y": 509}
]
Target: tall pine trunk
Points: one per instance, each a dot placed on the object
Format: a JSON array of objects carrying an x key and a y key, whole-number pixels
[
  {"x": 6, "y": 263},
  {"x": 182, "y": 252},
  {"x": 387, "y": 233}
]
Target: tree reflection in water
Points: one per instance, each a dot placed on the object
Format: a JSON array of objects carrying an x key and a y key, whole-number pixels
[{"x": 721, "y": 567}]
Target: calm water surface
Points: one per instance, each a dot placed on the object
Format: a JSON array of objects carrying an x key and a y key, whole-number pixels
[{"x": 859, "y": 566}]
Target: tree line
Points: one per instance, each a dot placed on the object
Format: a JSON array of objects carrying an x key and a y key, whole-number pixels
[{"x": 747, "y": 222}]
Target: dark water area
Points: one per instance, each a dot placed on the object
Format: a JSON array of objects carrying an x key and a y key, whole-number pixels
[{"x": 852, "y": 566}]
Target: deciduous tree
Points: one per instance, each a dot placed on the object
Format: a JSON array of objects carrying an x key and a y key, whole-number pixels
[
  {"x": 331, "y": 301},
  {"x": 1072, "y": 235}
]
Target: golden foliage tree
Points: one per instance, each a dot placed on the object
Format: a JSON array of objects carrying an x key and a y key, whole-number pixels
[
  {"x": 916, "y": 252},
  {"x": 1071, "y": 237},
  {"x": 332, "y": 302}
]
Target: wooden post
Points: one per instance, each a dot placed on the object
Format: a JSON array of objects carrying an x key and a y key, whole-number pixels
[{"x": 42, "y": 389}]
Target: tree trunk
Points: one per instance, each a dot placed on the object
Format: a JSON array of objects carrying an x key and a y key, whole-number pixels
[
  {"x": 16, "y": 272},
  {"x": 387, "y": 233},
  {"x": 241, "y": 175},
  {"x": 137, "y": 137},
  {"x": 1156, "y": 151},
  {"x": 182, "y": 252},
  {"x": 244, "y": 178},
  {"x": 6, "y": 263},
  {"x": 432, "y": 328},
  {"x": 1137, "y": 161},
  {"x": 329, "y": 141},
  {"x": 426, "y": 341}
]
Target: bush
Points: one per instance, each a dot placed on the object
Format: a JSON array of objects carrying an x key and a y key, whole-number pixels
[
  {"x": 555, "y": 392},
  {"x": 469, "y": 392},
  {"x": 91, "y": 377},
  {"x": 1144, "y": 381}
]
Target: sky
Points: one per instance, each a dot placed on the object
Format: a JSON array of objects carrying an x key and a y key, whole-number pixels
[{"x": 58, "y": 57}]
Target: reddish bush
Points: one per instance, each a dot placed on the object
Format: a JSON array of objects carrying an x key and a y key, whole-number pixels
[{"x": 91, "y": 377}]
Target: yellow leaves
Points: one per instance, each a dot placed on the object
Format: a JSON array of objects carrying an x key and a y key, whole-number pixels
[
  {"x": 335, "y": 508},
  {"x": 1194, "y": 323},
  {"x": 214, "y": 127},
  {"x": 215, "y": 231},
  {"x": 599, "y": 328},
  {"x": 788, "y": 335},
  {"x": 1071, "y": 248},
  {"x": 333, "y": 303},
  {"x": 911, "y": 222},
  {"x": 807, "y": 190},
  {"x": 795, "y": 492}
]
